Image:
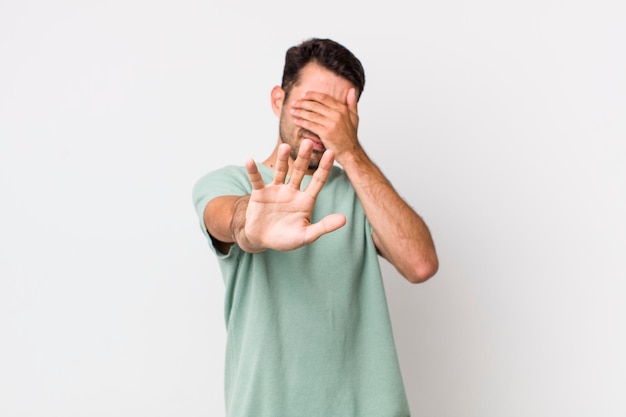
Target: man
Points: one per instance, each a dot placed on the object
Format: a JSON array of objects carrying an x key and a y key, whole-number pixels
[{"x": 298, "y": 240}]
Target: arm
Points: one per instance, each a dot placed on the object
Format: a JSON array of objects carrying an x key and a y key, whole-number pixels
[
  {"x": 400, "y": 234},
  {"x": 274, "y": 216}
]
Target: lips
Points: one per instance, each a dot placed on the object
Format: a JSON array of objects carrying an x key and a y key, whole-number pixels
[
  {"x": 318, "y": 146},
  {"x": 317, "y": 142}
]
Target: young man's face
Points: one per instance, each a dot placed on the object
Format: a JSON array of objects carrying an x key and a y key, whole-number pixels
[{"x": 313, "y": 77}]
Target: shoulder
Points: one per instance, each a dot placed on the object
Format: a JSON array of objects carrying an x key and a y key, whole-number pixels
[
  {"x": 338, "y": 174},
  {"x": 227, "y": 180},
  {"x": 337, "y": 188},
  {"x": 228, "y": 173},
  {"x": 338, "y": 179}
]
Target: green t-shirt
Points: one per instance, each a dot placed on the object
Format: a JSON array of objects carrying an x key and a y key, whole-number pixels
[{"x": 308, "y": 330}]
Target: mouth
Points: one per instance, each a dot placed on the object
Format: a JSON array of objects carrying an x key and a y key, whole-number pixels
[{"x": 318, "y": 146}]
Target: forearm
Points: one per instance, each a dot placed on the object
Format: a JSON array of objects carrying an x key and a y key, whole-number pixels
[
  {"x": 400, "y": 234},
  {"x": 225, "y": 220}
]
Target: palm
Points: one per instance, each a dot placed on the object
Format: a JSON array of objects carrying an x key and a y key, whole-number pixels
[{"x": 279, "y": 214}]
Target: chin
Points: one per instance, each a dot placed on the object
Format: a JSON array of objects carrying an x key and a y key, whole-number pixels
[{"x": 314, "y": 164}]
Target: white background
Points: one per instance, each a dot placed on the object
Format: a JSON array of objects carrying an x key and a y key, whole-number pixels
[{"x": 502, "y": 123}]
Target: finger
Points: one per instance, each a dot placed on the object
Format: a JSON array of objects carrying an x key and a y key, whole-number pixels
[
  {"x": 328, "y": 224},
  {"x": 321, "y": 174},
  {"x": 317, "y": 129},
  {"x": 282, "y": 164},
  {"x": 301, "y": 164},
  {"x": 310, "y": 115},
  {"x": 352, "y": 100},
  {"x": 315, "y": 97},
  {"x": 253, "y": 174},
  {"x": 312, "y": 103},
  {"x": 308, "y": 106}
]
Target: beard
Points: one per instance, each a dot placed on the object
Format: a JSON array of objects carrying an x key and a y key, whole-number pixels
[{"x": 292, "y": 135}]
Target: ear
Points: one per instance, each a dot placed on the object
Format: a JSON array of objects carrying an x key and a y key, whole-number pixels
[{"x": 278, "y": 97}]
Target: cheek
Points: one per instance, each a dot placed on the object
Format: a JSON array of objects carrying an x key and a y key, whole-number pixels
[
  {"x": 287, "y": 121},
  {"x": 286, "y": 128}
]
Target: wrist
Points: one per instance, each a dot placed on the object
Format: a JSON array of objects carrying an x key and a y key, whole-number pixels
[
  {"x": 238, "y": 226},
  {"x": 351, "y": 159}
]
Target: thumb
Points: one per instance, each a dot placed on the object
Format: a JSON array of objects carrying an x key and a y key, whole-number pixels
[
  {"x": 328, "y": 224},
  {"x": 352, "y": 100}
]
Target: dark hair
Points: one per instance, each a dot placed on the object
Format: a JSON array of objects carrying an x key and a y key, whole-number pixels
[{"x": 327, "y": 53}]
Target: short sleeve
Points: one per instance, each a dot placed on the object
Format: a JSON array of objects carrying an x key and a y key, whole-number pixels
[{"x": 228, "y": 180}]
